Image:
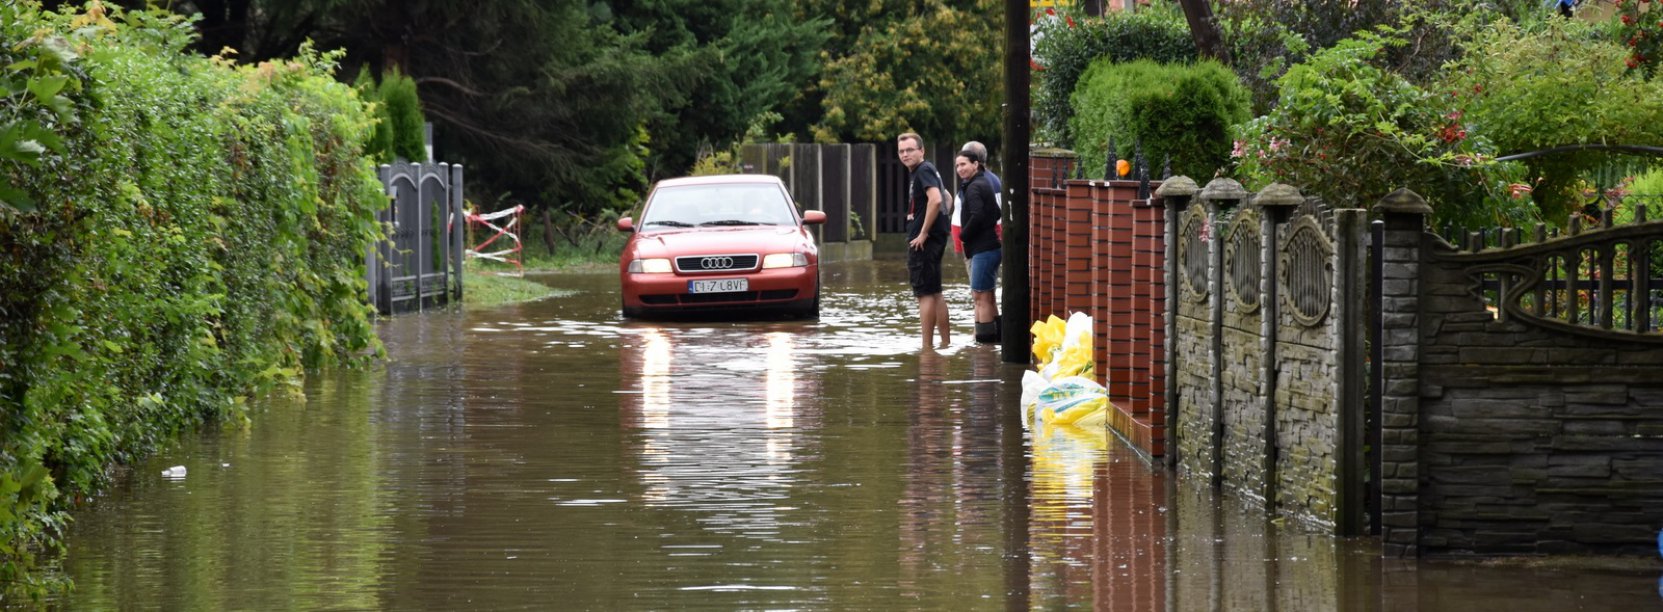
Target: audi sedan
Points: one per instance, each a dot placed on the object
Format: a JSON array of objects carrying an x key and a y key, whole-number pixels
[{"x": 720, "y": 243}]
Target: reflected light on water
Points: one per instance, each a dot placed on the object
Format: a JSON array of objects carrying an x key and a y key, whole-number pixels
[
  {"x": 781, "y": 381},
  {"x": 656, "y": 361}
]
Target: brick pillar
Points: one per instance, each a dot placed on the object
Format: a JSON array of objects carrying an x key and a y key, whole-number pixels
[
  {"x": 1077, "y": 233},
  {"x": 1057, "y": 269},
  {"x": 1149, "y": 305},
  {"x": 1044, "y": 168},
  {"x": 1405, "y": 215},
  {"x": 1119, "y": 313},
  {"x": 1148, "y": 291},
  {"x": 1101, "y": 209}
]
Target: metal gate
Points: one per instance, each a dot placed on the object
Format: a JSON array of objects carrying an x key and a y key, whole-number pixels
[{"x": 419, "y": 265}]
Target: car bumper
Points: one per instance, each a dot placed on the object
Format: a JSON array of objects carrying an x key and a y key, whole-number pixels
[{"x": 765, "y": 288}]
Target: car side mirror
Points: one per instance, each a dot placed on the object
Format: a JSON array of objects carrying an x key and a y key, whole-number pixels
[
  {"x": 812, "y": 217},
  {"x": 625, "y": 224}
]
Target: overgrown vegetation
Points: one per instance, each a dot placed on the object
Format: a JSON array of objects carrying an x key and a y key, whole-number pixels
[
  {"x": 178, "y": 234},
  {"x": 1179, "y": 111},
  {"x": 1502, "y": 90},
  {"x": 1067, "y": 46},
  {"x": 1431, "y": 102}
]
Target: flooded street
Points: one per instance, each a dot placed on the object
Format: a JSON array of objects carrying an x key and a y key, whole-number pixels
[{"x": 551, "y": 456}]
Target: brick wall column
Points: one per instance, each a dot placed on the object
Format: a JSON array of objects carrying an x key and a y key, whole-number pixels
[
  {"x": 1047, "y": 170},
  {"x": 1100, "y": 214},
  {"x": 1405, "y": 215},
  {"x": 1148, "y": 296},
  {"x": 1077, "y": 232},
  {"x": 1119, "y": 316}
]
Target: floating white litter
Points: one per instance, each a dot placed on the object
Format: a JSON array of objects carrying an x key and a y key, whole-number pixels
[{"x": 176, "y": 472}]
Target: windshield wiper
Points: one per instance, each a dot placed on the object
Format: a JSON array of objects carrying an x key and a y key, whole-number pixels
[
  {"x": 730, "y": 222},
  {"x": 669, "y": 223}
]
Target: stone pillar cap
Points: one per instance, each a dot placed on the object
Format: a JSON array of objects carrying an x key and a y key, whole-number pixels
[
  {"x": 1177, "y": 187},
  {"x": 1403, "y": 201},
  {"x": 1278, "y": 195},
  {"x": 1223, "y": 189}
]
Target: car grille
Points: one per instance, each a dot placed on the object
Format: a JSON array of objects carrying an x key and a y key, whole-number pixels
[
  {"x": 730, "y": 298},
  {"x": 716, "y": 263}
]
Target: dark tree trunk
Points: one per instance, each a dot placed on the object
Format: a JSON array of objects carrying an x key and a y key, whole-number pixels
[
  {"x": 1209, "y": 42},
  {"x": 224, "y": 24}
]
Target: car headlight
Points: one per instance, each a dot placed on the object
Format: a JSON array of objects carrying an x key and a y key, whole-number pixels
[
  {"x": 784, "y": 260},
  {"x": 649, "y": 266}
]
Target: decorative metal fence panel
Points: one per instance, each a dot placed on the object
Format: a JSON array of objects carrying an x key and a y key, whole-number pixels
[
  {"x": 1605, "y": 281},
  {"x": 419, "y": 265}
]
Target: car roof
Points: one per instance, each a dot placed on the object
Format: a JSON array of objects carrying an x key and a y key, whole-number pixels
[{"x": 720, "y": 179}]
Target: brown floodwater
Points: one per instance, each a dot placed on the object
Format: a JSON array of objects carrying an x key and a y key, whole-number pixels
[{"x": 551, "y": 456}]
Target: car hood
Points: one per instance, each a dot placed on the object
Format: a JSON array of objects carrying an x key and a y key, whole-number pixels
[{"x": 760, "y": 240}]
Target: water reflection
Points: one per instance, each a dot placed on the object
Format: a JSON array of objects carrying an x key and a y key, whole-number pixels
[
  {"x": 551, "y": 456},
  {"x": 705, "y": 435}
]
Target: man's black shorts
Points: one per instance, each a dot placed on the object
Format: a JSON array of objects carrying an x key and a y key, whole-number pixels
[{"x": 924, "y": 267}]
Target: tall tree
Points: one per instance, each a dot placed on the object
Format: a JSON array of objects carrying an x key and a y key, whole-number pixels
[
  {"x": 752, "y": 57},
  {"x": 1209, "y": 41},
  {"x": 930, "y": 66}
]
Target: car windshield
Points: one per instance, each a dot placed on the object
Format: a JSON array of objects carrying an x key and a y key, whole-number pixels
[{"x": 718, "y": 205}]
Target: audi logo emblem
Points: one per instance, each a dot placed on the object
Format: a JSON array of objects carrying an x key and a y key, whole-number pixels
[{"x": 716, "y": 263}]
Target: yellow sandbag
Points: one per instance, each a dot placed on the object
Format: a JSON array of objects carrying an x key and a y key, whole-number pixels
[
  {"x": 1075, "y": 360},
  {"x": 1082, "y": 414},
  {"x": 1070, "y": 400},
  {"x": 1048, "y": 338}
]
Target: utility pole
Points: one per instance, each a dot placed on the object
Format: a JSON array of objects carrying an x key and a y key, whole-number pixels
[{"x": 1014, "y": 309}]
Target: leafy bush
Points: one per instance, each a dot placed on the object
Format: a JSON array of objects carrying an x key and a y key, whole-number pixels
[
  {"x": 1349, "y": 131},
  {"x": 192, "y": 234},
  {"x": 1066, "y": 47},
  {"x": 380, "y": 144},
  {"x": 1562, "y": 83},
  {"x": 1182, "y": 111},
  {"x": 1266, "y": 37},
  {"x": 1641, "y": 29}
]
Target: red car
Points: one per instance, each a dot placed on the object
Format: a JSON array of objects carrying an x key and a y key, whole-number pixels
[{"x": 720, "y": 243}]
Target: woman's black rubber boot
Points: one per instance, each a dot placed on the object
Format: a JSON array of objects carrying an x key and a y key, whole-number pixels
[{"x": 987, "y": 333}]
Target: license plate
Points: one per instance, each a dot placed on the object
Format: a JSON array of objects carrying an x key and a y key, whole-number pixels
[{"x": 721, "y": 285}]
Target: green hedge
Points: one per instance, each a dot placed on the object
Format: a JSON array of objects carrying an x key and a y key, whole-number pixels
[
  {"x": 178, "y": 234},
  {"x": 1066, "y": 47},
  {"x": 1184, "y": 111}
]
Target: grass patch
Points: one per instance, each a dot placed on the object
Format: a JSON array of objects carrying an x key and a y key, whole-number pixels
[
  {"x": 585, "y": 248},
  {"x": 490, "y": 288}
]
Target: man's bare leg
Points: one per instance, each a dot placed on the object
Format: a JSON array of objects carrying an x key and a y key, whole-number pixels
[
  {"x": 927, "y": 315},
  {"x": 944, "y": 321}
]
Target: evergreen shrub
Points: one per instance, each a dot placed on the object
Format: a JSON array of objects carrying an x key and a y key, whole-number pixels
[
  {"x": 1184, "y": 111},
  {"x": 1066, "y": 47}
]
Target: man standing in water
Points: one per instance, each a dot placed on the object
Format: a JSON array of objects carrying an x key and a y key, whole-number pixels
[{"x": 927, "y": 233}]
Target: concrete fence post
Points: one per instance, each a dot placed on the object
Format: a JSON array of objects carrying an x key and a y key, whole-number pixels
[
  {"x": 1405, "y": 214},
  {"x": 1175, "y": 194},
  {"x": 1278, "y": 202},
  {"x": 1350, "y": 292},
  {"x": 1221, "y": 196}
]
